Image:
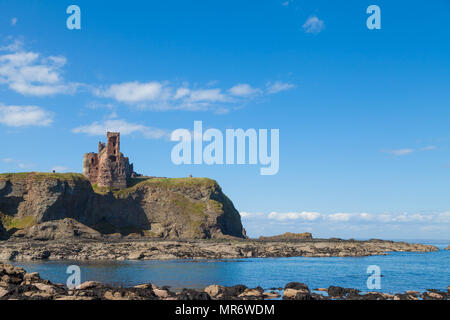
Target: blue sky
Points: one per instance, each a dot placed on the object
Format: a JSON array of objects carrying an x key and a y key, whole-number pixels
[{"x": 363, "y": 114}]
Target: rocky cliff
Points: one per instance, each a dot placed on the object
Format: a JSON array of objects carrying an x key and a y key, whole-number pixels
[
  {"x": 157, "y": 207},
  {"x": 3, "y": 233},
  {"x": 289, "y": 236}
]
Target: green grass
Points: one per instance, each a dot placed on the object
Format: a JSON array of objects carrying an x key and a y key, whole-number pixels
[
  {"x": 164, "y": 183},
  {"x": 101, "y": 190},
  {"x": 42, "y": 175},
  {"x": 10, "y": 222}
]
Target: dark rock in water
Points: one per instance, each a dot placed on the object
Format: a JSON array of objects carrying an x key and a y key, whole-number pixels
[
  {"x": 296, "y": 291},
  {"x": 352, "y": 291},
  {"x": 434, "y": 295},
  {"x": 404, "y": 296},
  {"x": 260, "y": 289},
  {"x": 296, "y": 286},
  {"x": 337, "y": 292},
  {"x": 189, "y": 208},
  {"x": 303, "y": 296},
  {"x": 315, "y": 296},
  {"x": 190, "y": 294},
  {"x": 373, "y": 296},
  {"x": 354, "y": 296},
  {"x": 334, "y": 291},
  {"x": 234, "y": 291}
]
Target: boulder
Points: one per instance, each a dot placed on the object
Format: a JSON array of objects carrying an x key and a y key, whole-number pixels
[
  {"x": 45, "y": 287},
  {"x": 191, "y": 294},
  {"x": 373, "y": 296},
  {"x": 434, "y": 295},
  {"x": 336, "y": 292},
  {"x": 271, "y": 295},
  {"x": 3, "y": 292},
  {"x": 136, "y": 255},
  {"x": 214, "y": 290},
  {"x": 296, "y": 291},
  {"x": 144, "y": 286},
  {"x": 253, "y": 294},
  {"x": 161, "y": 294},
  {"x": 233, "y": 291},
  {"x": 296, "y": 286},
  {"x": 89, "y": 285}
]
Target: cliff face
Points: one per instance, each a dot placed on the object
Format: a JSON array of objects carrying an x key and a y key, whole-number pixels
[
  {"x": 289, "y": 236},
  {"x": 166, "y": 208},
  {"x": 3, "y": 234}
]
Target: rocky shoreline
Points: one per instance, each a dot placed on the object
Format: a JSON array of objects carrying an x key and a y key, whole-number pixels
[
  {"x": 145, "y": 249},
  {"x": 17, "y": 284}
]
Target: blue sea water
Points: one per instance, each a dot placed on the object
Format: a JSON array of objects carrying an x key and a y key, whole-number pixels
[{"x": 400, "y": 271}]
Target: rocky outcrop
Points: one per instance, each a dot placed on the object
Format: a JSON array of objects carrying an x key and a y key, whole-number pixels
[
  {"x": 289, "y": 236},
  {"x": 134, "y": 247},
  {"x": 17, "y": 284},
  {"x": 157, "y": 207},
  {"x": 3, "y": 232},
  {"x": 296, "y": 291},
  {"x": 448, "y": 248},
  {"x": 58, "y": 230}
]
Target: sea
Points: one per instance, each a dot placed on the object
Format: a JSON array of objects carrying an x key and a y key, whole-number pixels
[{"x": 399, "y": 271}]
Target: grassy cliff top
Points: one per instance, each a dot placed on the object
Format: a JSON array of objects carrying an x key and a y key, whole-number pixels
[
  {"x": 133, "y": 183},
  {"x": 166, "y": 183},
  {"x": 42, "y": 175},
  {"x": 136, "y": 183}
]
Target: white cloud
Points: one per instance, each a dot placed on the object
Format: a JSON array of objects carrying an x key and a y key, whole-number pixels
[
  {"x": 122, "y": 126},
  {"x": 14, "y": 21},
  {"x": 20, "y": 164},
  {"x": 132, "y": 92},
  {"x": 309, "y": 216},
  {"x": 427, "y": 148},
  {"x": 15, "y": 45},
  {"x": 29, "y": 73},
  {"x": 165, "y": 96},
  {"x": 405, "y": 151},
  {"x": 278, "y": 86},
  {"x": 365, "y": 216},
  {"x": 208, "y": 95},
  {"x": 21, "y": 116},
  {"x": 444, "y": 217},
  {"x": 400, "y": 152},
  {"x": 25, "y": 165},
  {"x": 181, "y": 93},
  {"x": 246, "y": 215},
  {"x": 243, "y": 90},
  {"x": 363, "y": 225},
  {"x": 340, "y": 216},
  {"x": 356, "y": 218},
  {"x": 313, "y": 25}
]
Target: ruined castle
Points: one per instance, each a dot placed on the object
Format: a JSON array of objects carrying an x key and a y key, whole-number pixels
[{"x": 108, "y": 168}]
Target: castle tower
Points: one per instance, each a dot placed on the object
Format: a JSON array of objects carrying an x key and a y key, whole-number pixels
[{"x": 108, "y": 168}]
